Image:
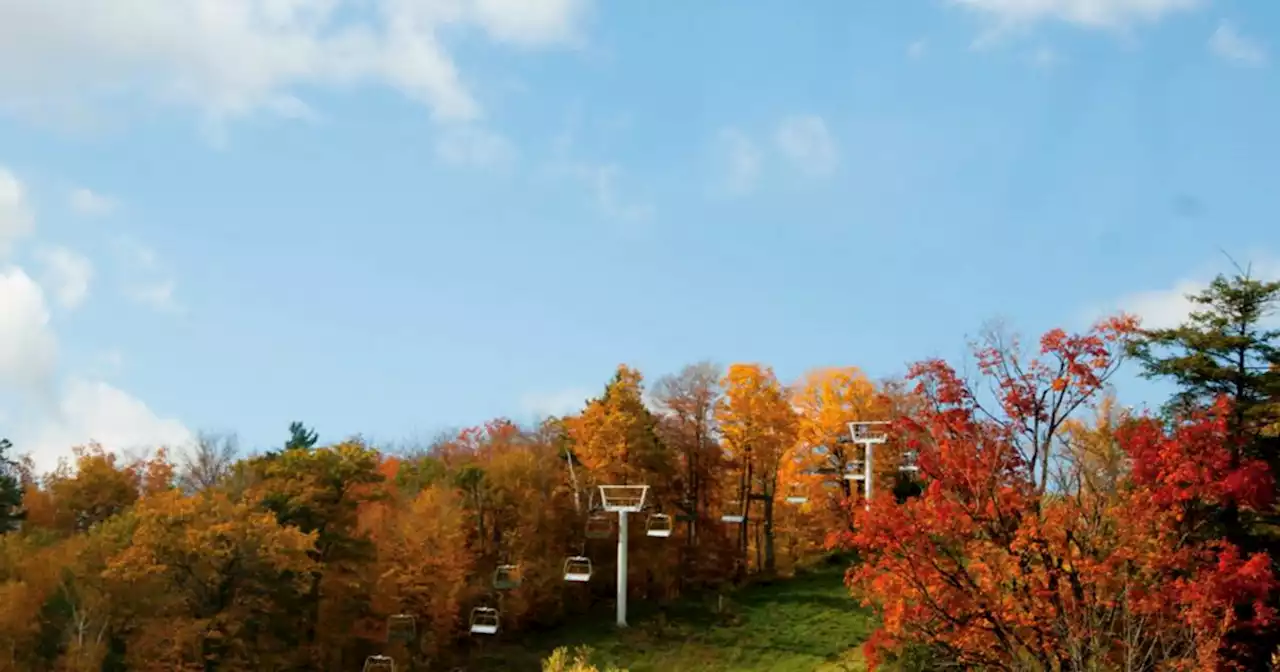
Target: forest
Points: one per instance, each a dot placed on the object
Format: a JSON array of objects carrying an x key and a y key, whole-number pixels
[{"x": 1020, "y": 517}]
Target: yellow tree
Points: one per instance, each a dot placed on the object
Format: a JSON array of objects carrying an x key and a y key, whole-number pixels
[
  {"x": 424, "y": 563},
  {"x": 827, "y": 400},
  {"x": 1095, "y": 463},
  {"x": 320, "y": 490},
  {"x": 99, "y": 487},
  {"x": 210, "y": 579},
  {"x": 616, "y": 437},
  {"x": 758, "y": 426}
]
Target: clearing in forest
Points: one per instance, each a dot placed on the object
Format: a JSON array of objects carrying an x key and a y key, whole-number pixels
[{"x": 800, "y": 624}]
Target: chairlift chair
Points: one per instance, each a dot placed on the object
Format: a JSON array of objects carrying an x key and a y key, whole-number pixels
[
  {"x": 577, "y": 569},
  {"x": 402, "y": 628},
  {"x": 796, "y": 495},
  {"x": 909, "y": 461},
  {"x": 599, "y": 526},
  {"x": 378, "y": 663},
  {"x": 506, "y": 577},
  {"x": 484, "y": 621},
  {"x": 869, "y": 431},
  {"x": 658, "y": 525},
  {"x": 854, "y": 472}
]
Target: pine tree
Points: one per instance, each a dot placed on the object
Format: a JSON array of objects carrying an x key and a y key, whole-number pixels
[
  {"x": 1223, "y": 348},
  {"x": 300, "y": 437},
  {"x": 11, "y": 512}
]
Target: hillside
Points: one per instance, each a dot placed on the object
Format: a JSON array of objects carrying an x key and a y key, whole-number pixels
[{"x": 794, "y": 625}]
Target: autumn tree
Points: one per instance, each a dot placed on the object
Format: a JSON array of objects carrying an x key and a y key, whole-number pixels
[
  {"x": 688, "y": 426},
  {"x": 826, "y": 401},
  {"x": 990, "y": 568},
  {"x": 758, "y": 426},
  {"x": 319, "y": 490},
  {"x": 207, "y": 462},
  {"x": 11, "y": 512},
  {"x": 1094, "y": 462},
  {"x": 99, "y": 487},
  {"x": 214, "y": 578},
  {"x": 616, "y": 436},
  {"x": 424, "y": 566}
]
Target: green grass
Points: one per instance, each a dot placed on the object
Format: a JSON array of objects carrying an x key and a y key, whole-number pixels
[{"x": 800, "y": 624}]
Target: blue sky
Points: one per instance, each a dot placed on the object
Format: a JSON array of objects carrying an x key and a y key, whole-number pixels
[{"x": 396, "y": 216}]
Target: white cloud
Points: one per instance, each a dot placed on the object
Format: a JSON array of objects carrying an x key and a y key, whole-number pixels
[
  {"x": 1169, "y": 307},
  {"x": 157, "y": 294},
  {"x": 600, "y": 180},
  {"x": 1109, "y": 14},
  {"x": 806, "y": 142},
  {"x": 917, "y": 49},
  {"x": 46, "y": 415},
  {"x": 88, "y": 203},
  {"x": 28, "y": 349},
  {"x": 67, "y": 273},
  {"x": 150, "y": 284},
  {"x": 562, "y": 402},
  {"x": 93, "y": 410},
  {"x": 16, "y": 220},
  {"x": 229, "y": 58},
  {"x": 474, "y": 147},
  {"x": 741, "y": 161},
  {"x": 1229, "y": 44}
]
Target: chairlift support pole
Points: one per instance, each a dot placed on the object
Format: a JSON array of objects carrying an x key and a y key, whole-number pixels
[
  {"x": 862, "y": 433},
  {"x": 622, "y": 569},
  {"x": 866, "y": 482},
  {"x": 630, "y": 503}
]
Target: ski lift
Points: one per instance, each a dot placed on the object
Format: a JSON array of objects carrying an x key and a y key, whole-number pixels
[
  {"x": 796, "y": 495},
  {"x": 577, "y": 568},
  {"x": 506, "y": 577},
  {"x": 484, "y": 621},
  {"x": 659, "y": 525},
  {"x": 909, "y": 459},
  {"x": 871, "y": 431},
  {"x": 377, "y": 663},
  {"x": 734, "y": 514},
  {"x": 599, "y": 526},
  {"x": 402, "y": 628}
]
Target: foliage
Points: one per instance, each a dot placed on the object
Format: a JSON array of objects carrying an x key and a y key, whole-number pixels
[
  {"x": 758, "y": 426},
  {"x": 560, "y": 661},
  {"x": 11, "y": 513},
  {"x": 1036, "y": 535},
  {"x": 996, "y": 570}
]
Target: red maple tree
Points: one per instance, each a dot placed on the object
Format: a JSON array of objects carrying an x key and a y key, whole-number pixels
[{"x": 998, "y": 566}]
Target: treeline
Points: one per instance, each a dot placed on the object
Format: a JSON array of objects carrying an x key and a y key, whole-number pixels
[
  {"x": 309, "y": 556},
  {"x": 1020, "y": 520}
]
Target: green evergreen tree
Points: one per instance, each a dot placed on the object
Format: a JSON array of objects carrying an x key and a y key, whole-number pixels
[
  {"x": 11, "y": 513},
  {"x": 1223, "y": 348},
  {"x": 300, "y": 437}
]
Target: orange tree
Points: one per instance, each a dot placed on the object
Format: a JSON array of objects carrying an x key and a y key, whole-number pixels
[{"x": 991, "y": 567}]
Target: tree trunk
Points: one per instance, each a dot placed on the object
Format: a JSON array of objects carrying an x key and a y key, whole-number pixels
[{"x": 770, "y": 563}]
